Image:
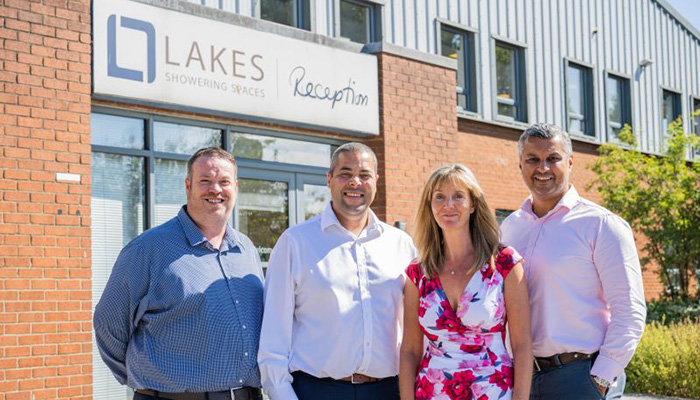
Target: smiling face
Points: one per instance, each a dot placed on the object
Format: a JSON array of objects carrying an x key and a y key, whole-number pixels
[
  {"x": 211, "y": 192},
  {"x": 353, "y": 184},
  {"x": 452, "y": 206},
  {"x": 546, "y": 169}
]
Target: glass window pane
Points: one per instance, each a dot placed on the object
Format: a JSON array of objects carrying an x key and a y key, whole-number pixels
[
  {"x": 263, "y": 212},
  {"x": 671, "y": 108},
  {"x": 614, "y": 100},
  {"x": 315, "y": 199},
  {"x": 505, "y": 73},
  {"x": 453, "y": 45},
  {"x": 506, "y": 110},
  {"x": 183, "y": 139},
  {"x": 169, "y": 189},
  {"x": 117, "y": 213},
  {"x": 270, "y": 148},
  {"x": 355, "y": 21},
  {"x": 112, "y": 130},
  {"x": 574, "y": 90},
  {"x": 696, "y": 108},
  {"x": 280, "y": 11}
]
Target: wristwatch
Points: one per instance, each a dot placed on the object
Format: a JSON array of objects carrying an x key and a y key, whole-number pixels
[{"x": 602, "y": 382}]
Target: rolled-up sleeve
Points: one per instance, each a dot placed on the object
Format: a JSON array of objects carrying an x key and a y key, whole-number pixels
[
  {"x": 117, "y": 313},
  {"x": 615, "y": 257},
  {"x": 276, "y": 334}
]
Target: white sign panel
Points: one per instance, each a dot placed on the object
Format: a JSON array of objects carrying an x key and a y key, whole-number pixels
[{"x": 157, "y": 55}]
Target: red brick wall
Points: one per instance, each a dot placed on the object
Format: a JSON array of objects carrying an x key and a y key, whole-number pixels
[
  {"x": 418, "y": 124},
  {"x": 45, "y": 339}
]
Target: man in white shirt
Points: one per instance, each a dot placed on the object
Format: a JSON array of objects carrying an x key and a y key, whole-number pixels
[
  {"x": 333, "y": 295},
  {"x": 585, "y": 282}
]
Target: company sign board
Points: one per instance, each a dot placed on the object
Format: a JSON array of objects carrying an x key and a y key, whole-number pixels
[{"x": 152, "y": 54}]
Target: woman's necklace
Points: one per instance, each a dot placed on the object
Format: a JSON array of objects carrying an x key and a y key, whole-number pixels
[{"x": 453, "y": 271}]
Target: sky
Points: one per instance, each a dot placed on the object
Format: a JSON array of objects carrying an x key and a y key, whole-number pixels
[{"x": 689, "y": 9}]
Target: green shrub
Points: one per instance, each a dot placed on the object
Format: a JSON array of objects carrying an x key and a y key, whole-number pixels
[
  {"x": 667, "y": 361},
  {"x": 670, "y": 311}
]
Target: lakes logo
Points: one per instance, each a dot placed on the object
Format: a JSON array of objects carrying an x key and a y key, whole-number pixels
[{"x": 113, "y": 69}]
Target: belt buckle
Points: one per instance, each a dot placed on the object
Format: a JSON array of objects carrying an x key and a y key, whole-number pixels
[
  {"x": 232, "y": 392},
  {"x": 537, "y": 365},
  {"x": 352, "y": 380}
]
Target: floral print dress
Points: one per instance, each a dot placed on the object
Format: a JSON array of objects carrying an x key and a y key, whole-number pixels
[{"x": 466, "y": 356}]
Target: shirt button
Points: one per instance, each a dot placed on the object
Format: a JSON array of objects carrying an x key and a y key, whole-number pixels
[
  {"x": 243, "y": 326},
  {"x": 236, "y": 301},
  {"x": 367, "y": 344},
  {"x": 240, "y": 381},
  {"x": 245, "y": 354}
]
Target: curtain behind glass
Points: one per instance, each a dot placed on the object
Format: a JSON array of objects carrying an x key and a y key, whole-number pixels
[{"x": 117, "y": 212}]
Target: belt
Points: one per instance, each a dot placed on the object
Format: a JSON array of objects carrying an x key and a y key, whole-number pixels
[
  {"x": 359, "y": 378},
  {"x": 244, "y": 393},
  {"x": 557, "y": 360},
  {"x": 354, "y": 379}
]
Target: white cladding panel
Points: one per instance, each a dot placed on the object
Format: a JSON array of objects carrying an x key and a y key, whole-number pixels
[{"x": 610, "y": 35}]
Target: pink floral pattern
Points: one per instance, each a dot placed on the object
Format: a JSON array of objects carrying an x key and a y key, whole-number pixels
[{"x": 466, "y": 356}]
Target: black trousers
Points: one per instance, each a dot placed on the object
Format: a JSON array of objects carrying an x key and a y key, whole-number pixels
[{"x": 308, "y": 387}]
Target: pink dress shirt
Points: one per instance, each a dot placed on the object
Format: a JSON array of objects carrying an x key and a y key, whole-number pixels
[{"x": 584, "y": 279}]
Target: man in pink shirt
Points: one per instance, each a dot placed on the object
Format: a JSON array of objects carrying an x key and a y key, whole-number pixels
[{"x": 585, "y": 282}]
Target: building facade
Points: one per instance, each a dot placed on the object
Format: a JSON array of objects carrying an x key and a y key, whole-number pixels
[{"x": 103, "y": 102}]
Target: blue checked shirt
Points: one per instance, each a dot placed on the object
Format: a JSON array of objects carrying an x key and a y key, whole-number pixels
[{"x": 178, "y": 315}]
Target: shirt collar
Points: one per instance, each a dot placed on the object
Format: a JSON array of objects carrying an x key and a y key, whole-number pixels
[
  {"x": 328, "y": 219},
  {"x": 196, "y": 237},
  {"x": 568, "y": 201}
]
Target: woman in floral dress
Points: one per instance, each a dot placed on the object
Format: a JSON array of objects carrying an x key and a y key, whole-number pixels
[{"x": 461, "y": 291}]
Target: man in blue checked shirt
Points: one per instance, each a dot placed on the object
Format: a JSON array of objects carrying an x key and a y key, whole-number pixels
[{"x": 181, "y": 313}]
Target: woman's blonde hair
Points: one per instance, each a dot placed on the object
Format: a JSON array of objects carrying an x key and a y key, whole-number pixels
[{"x": 483, "y": 227}]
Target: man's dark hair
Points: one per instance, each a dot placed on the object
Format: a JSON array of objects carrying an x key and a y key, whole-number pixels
[{"x": 352, "y": 147}]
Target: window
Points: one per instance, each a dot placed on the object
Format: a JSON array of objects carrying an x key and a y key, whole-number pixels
[
  {"x": 501, "y": 215},
  {"x": 294, "y": 13},
  {"x": 579, "y": 99},
  {"x": 670, "y": 109},
  {"x": 139, "y": 165},
  {"x": 619, "y": 105},
  {"x": 459, "y": 45},
  {"x": 359, "y": 21},
  {"x": 511, "y": 90},
  {"x": 696, "y": 116}
]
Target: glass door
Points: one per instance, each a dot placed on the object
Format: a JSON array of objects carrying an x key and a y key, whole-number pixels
[
  {"x": 312, "y": 195},
  {"x": 264, "y": 207}
]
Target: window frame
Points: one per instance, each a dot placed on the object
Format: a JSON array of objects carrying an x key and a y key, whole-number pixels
[
  {"x": 589, "y": 98},
  {"x": 301, "y": 14},
  {"x": 626, "y": 106},
  {"x": 472, "y": 104},
  {"x": 694, "y": 122},
  {"x": 521, "y": 85},
  {"x": 376, "y": 17}
]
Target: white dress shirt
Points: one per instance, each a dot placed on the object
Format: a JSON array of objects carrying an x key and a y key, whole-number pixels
[
  {"x": 584, "y": 279},
  {"x": 333, "y": 302}
]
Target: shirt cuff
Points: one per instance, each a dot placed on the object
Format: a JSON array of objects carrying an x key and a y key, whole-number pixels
[
  {"x": 283, "y": 391},
  {"x": 606, "y": 368}
]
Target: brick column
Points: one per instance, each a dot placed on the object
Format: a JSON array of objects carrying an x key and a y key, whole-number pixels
[
  {"x": 45, "y": 331},
  {"x": 418, "y": 123}
]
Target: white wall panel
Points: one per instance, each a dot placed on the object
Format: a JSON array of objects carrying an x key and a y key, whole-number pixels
[{"x": 627, "y": 32}]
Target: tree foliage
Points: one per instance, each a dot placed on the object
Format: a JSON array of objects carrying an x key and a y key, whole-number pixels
[{"x": 659, "y": 196}]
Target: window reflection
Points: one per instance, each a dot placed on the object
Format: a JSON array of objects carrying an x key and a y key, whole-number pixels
[
  {"x": 183, "y": 139},
  {"x": 116, "y": 131},
  {"x": 355, "y": 21},
  {"x": 270, "y": 148},
  {"x": 262, "y": 210},
  {"x": 170, "y": 189},
  {"x": 315, "y": 199}
]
